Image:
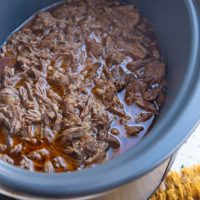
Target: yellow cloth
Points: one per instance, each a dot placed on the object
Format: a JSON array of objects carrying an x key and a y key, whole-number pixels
[{"x": 183, "y": 185}]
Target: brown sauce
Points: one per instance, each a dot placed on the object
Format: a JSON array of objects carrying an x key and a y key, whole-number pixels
[{"x": 82, "y": 84}]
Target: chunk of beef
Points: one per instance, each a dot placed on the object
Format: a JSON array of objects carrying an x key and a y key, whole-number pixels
[
  {"x": 133, "y": 130},
  {"x": 134, "y": 91},
  {"x": 43, "y": 21},
  {"x": 147, "y": 105},
  {"x": 33, "y": 115},
  {"x": 100, "y": 154},
  {"x": 34, "y": 74},
  {"x": 96, "y": 49},
  {"x": 87, "y": 109},
  {"x": 59, "y": 78},
  {"x": 116, "y": 56},
  {"x": 105, "y": 90},
  {"x": 29, "y": 91},
  {"x": 25, "y": 100},
  {"x": 90, "y": 71},
  {"x": 75, "y": 153},
  {"x": 11, "y": 118},
  {"x": 117, "y": 111},
  {"x": 113, "y": 142},
  {"x": 136, "y": 50},
  {"x": 114, "y": 131},
  {"x": 143, "y": 116},
  {"x": 91, "y": 145},
  {"x": 58, "y": 123},
  {"x": 66, "y": 61},
  {"x": 99, "y": 117},
  {"x": 40, "y": 92},
  {"x": 54, "y": 96},
  {"x": 136, "y": 64},
  {"x": 4, "y": 121},
  {"x": 9, "y": 96},
  {"x": 9, "y": 78},
  {"x": 152, "y": 72},
  {"x": 97, "y": 157},
  {"x": 9, "y": 61},
  {"x": 73, "y": 133},
  {"x": 120, "y": 78}
]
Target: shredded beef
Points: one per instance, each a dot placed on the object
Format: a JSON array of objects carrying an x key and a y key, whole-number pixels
[{"x": 74, "y": 82}]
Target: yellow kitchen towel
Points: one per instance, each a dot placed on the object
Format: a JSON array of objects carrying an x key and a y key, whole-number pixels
[{"x": 183, "y": 185}]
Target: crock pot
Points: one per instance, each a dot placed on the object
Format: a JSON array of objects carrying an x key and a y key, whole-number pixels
[{"x": 176, "y": 23}]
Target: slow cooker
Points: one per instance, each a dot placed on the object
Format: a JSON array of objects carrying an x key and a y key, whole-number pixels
[{"x": 177, "y": 27}]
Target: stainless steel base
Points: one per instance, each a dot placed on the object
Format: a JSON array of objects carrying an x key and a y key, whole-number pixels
[{"x": 142, "y": 188}]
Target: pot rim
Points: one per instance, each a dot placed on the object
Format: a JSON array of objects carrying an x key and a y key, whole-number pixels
[{"x": 110, "y": 175}]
